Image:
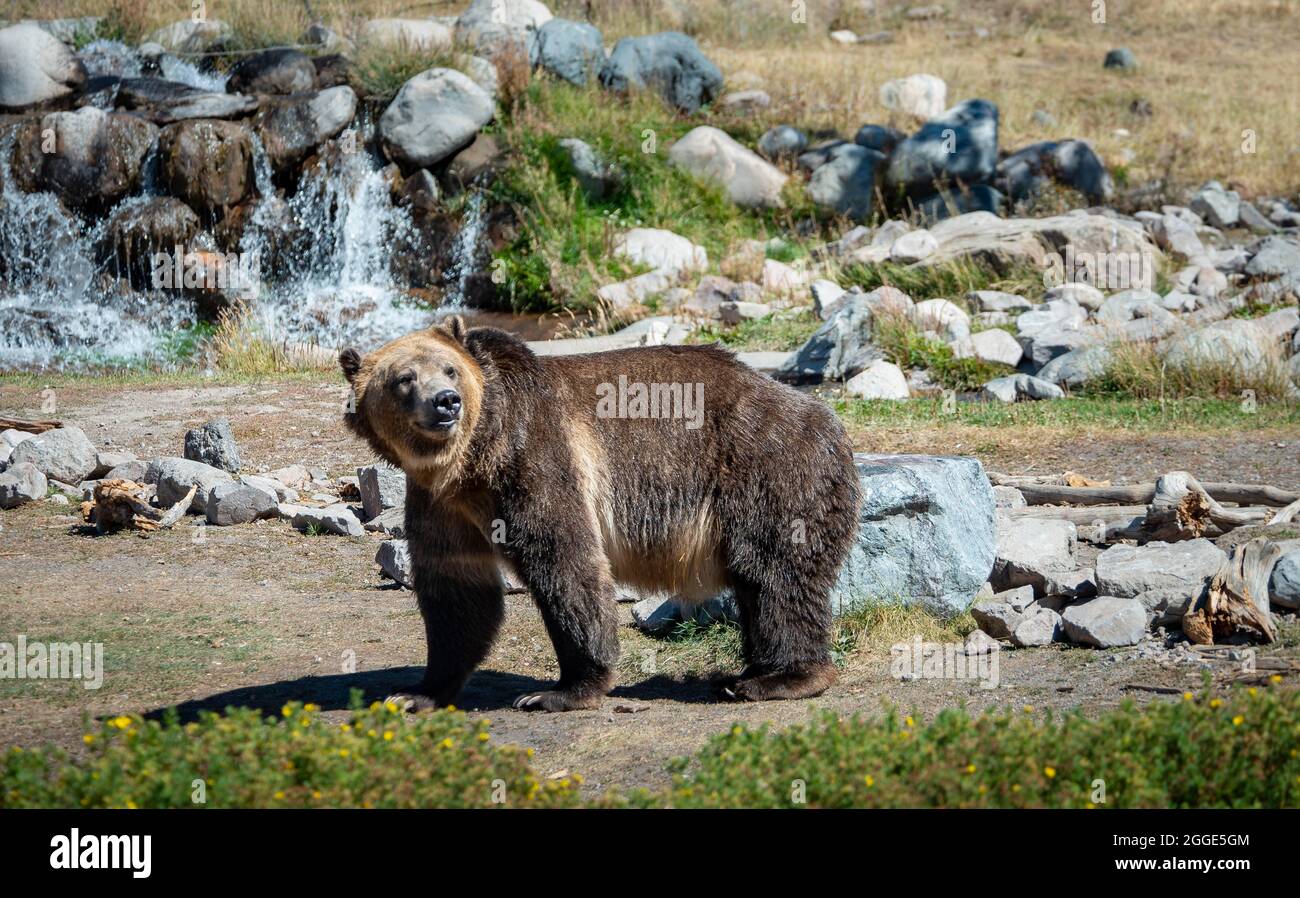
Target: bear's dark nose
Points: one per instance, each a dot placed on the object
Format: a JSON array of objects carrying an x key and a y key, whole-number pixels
[{"x": 446, "y": 406}]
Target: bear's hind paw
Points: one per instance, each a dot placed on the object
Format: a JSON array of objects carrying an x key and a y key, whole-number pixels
[
  {"x": 412, "y": 701},
  {"x": 558, "y": 700}
]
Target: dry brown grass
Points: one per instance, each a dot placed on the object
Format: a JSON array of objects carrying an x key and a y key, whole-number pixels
[
  {"x": 238, "y": 347},
  {"x": 1211, "y": 69}
]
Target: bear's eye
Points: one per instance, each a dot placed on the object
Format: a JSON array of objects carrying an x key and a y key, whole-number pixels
[
  {"x": 405, "y": 379},
  {"x": 450, "y": 372}
]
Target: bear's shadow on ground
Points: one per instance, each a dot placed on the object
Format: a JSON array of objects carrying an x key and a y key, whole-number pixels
[{"x": 487, "y": 690}]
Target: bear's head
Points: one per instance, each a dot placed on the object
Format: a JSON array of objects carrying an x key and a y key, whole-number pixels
[{"x": 417, "y": 400}]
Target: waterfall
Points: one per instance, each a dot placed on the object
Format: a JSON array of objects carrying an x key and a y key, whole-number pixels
[{"x": 465, "y": 256}]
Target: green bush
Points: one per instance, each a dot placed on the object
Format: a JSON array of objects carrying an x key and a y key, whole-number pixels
[
  {"x": 1201, "y": 751},
  {"x": 379, "y": 758}
]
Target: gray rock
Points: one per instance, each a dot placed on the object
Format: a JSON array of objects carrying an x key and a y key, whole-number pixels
[
  {"x": 490, "y": 26},
  {"x": 1178, "y": 236},
  {"x": 394, "y": 559},
  {"x": 21, "y": 483},
  {"x": 1105, "y": 622},
  {"x": 1173, "y": 573},
  {"x": 1250, "y": 217},
  {"x": 1031, "y": 549},
  {"x": 277, "y": 71},
  {"x": 1015, "y": 387},
  {"x": 657, "y": 615},
  {"x": 1274, "y": 257},
  {"x": 239, "y": 503},
  {"x": 392, "y": 522},
  {"x": 175, "y": 476},
  {"x": 980, "y": 643},
  {"x": 880, "y": 138},
  {"x": 434, "y": 115},
  {"x": 597, "y": 178},
  {"x": 35, "y": 67},
  {"x": 782, "y": 142},
  {"x": 1043, "y": 627},
  {"x": 997, "y": 301},
  {"x": 1284, "y": 584},
  {"x": 207, "y": 163},
  {"x": 1069, "y": 584},
  {"x": 1232, "y": 343},
  {"x": 948, "y": 203},
  {"x": 960, "y": 145},
  {"x": 382, "y": 487},
  {"x": 670, "y": 63},
  {"x": 293, "y": 128},
  {"x": 997, "y": 619},
  {"x": 165, "y": 102},
  {"x": 1077, "y": 367},
  {"x": 1121, "y": 58},
  {"x": 95, "y": 157},
  {"x": 109, "y": 459},
  {"x": 1219, "y": 207},
  {"x": 573, "y": 51},
  {"x": 12, "y": 437},
  {"x": 213, "y": 444},
  {"x": 63, "y": 453},
  {"x": 1008, "y": 497},
  {"x": 136, "y": 470},
  {"x": 1055, "y": 314},
  {"x": 337, "y": 519},
  {"x": 712, "y": 155},
  {"x": 925, "y": 533},
  {"x": 1070, "y": 163},
  {"x": 847, "y": 182},
  {"x": 839, "y": 349}
]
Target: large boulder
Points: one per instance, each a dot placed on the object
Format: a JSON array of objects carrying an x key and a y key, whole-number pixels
[
  {"x": 35, "y": 67},
  {"x": 22, "y": 483},
  {"x": 489, "y": 26},
  {"x": 239, "y": 503},
  {"x": 1006, "y": 244},
  {"x": 278, "y": 71},
  {"x": 382, "y": 487},
  {"x": 846, "y": 183},
  {"x": 1234, "y": 343},
  {"x": 879, "y": 380},
  {"x": 191, "y": 35},
  {"x": 1031, "y": 550},
  {"x": 924, "y": 96},
  {"x": 213, "y": 444},
  {"x": 61, "y": 454},
  {"x": 207, "y": 163},
  {"x": 1071, "y": 163},
  {"x": 1164, "y": 577},
  {"x": 90, "y": 158},
  {"x": 164, "y": 102},
  {"x": 782, "y": 142},
  {"x": 290, "y": 130},
  {"x": 1105, "y": 622},
  {"x": 839, "y": 349},
  {"x": 1077, "y": 367},
  {"x": 408, "y": 34},
  {"x": 712, "y": 155},
  {"x": 597, "y": 177},
  {"x": 670, "y": 63},
  {"x": 661, "y": 250},
  {"x": 925, "y": 533},
  {"x": 959, "y": 146},
  {"x": 573, "y": 51},
  {"x": 175, "y": 476},
  {"x": 137, "y": 230},
  {"x": 434, "y": 115}
]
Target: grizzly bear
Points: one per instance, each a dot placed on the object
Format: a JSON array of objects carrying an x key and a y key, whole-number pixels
[{"x": 670, "y": 468}]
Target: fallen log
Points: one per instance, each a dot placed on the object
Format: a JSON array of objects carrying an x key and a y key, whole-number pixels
[
  {"x": 1182, "y": 509},
  {"x": 28, "y": 426},
  {"x": 1057, "y": 494},
  {"x": 1237, "y": 598},
  {"x": 123, "y": 503}
]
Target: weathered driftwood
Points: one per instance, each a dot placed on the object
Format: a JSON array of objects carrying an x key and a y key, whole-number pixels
[
  {"x": 1182, "y": 509},
  {"x": 1286, "y": 515},
  {"x": 1237, "y": 598},
  {"x": 122, "y": 503},
  {"x": 1067, "y": 480},
  {"x": 1039, "y": 492},
  {"x": 28, "y": 426}
]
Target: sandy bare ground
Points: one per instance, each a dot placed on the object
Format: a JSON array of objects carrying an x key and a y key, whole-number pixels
[{"x": 260, "y": 614}]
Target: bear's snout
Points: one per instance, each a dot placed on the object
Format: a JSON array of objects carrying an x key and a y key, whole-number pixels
[{"x": 444, "y": 409}]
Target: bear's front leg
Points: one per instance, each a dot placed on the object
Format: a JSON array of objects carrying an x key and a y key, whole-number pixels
[
  {"x": 461, "y": 597},
  {"x": 576, "y": 598}
]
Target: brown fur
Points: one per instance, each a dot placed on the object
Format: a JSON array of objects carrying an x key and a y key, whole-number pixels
[{"x": 762, "y": 498}]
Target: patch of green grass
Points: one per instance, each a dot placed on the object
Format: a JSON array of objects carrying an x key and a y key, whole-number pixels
[
  {"x": 948, "y": 280},
  {"x": 908, "y": 347},
  {"x": 876, "y": 625},
  {"x": 1139, "y": 415},
  {"x": 565, "y": 247},
  {"x": 1142, "y": 370},
  {"x": 771, "y": 332},
  {"x": 379, "y": 70}
]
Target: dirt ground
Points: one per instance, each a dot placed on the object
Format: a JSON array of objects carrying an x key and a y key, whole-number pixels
[{"x": 206, "y": 617}]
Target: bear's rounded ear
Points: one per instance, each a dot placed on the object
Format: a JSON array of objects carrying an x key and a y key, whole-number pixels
[
  {"x": 350, "y": 362},
  {"x": 455, "y": 325}
]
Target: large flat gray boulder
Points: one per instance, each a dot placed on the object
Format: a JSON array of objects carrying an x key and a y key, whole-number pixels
[
  {"x": 1164, "y": 577},
  {"x": 1105, "y": 622},
  {"x": 60, "y": 454},
  {"x": 925, "y": 533}
]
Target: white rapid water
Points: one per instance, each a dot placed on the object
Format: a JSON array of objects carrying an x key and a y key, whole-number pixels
[
  {"x": 465, "y": 258},
  {"x": 58, "y": 309}
]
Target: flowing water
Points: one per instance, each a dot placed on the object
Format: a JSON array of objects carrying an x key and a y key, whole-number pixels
[{"x": 324, "y": 259}]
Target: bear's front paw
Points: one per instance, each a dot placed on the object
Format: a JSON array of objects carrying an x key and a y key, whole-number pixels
[
  {"x": 412, "y": 701},
  {"x": 557, "y": 700}
]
